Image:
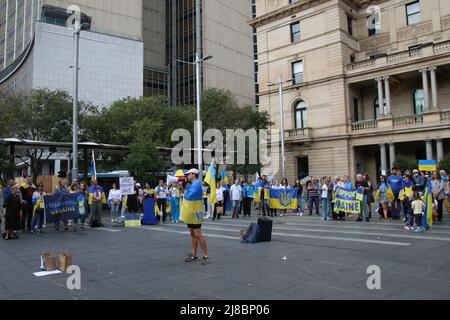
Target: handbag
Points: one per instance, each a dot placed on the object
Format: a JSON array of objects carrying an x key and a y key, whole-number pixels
[{"x": 219, "y": 210}]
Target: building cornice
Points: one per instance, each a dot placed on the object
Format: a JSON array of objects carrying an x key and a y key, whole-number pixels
[
  {"x": 284, "y": 11},
  {"x": 300, "y": 5}
]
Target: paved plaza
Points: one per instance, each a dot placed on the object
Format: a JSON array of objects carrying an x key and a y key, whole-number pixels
[{"x": 307, "y": 259}]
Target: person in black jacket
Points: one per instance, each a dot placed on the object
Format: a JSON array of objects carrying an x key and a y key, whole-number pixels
[
  {"x": 13, "y": 206},
  {"x": 27, "y": 190},
  {"x": 298, "y": 186}
]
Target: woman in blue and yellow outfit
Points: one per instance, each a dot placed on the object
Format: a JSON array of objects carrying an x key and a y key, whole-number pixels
[
  {"x": 384, "y": 196},
  {"x": 150, "y": 217},
  {"x": 175, "y": 202},
  {"x": 192, "y": 215}
]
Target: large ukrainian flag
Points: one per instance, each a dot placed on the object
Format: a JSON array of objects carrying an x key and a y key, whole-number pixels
[
  {"x": 427, "y": 165},
  {"x": 211, "y": 181},
  {"x": 224, "y": 177},
  {"x": 427, "y": 219},
  {"x": 283, "y": 199},
  {"x": 192, "y": 208}
]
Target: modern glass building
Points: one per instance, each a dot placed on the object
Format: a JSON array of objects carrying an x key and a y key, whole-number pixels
[{"x": 37, "y": 48}]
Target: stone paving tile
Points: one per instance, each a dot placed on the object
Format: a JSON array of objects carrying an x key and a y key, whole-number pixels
[{"x": 147, "y": 264}]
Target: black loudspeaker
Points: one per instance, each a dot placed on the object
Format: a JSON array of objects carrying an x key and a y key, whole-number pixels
[{"x": 265, "y": 226}]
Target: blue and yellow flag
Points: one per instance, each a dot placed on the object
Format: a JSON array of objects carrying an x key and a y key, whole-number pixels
[
  {"x": 427, "y": 165},
  {"x": 192, "y": 208},
  {"x": 427, "y": 219},
  {"x": 224, "y": 177},
  {"x": 283, "y": 199},
  {"x": 211, "y": 181},
  {"x": 93, "y": 168}
]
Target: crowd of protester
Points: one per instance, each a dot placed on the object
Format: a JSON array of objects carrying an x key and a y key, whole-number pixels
[{"x": 22, "y": 206}]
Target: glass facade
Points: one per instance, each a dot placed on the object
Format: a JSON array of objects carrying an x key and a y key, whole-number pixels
[
  {"x": 181, "y": 46},
  {"x": 155, "y": 82},
  {"x": 15, "y": 28}
]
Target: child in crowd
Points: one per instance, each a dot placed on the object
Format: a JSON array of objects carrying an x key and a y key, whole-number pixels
[{"x": 418, "y": 207}]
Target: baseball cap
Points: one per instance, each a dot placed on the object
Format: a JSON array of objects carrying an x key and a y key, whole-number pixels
[{"x": 194, "y": 171}]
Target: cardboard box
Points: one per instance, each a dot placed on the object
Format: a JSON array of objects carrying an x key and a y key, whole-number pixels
[
  {"x": 49, "y": 261},
  {"x": 65, "y": 261}
]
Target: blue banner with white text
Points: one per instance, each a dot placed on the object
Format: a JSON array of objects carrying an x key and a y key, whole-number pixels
[{"x": 65, "y": 206}]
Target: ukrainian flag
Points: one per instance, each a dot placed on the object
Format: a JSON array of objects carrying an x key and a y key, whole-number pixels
[
  {"x": 427, "y": 219},
  {"x": 93, "y": 168},
  {"x": 427, "y": 165},
  {"x": 257, "y": 194},
  {"x": 192, "y": 208},
  {"x": 224, "y": 177},
  {"x": 283, "y": 199},
  {"x": 211, "y": 181}
]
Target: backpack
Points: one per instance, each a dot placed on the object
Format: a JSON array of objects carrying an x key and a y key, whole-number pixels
[
  {"x": 252, "y": 234},
  {"x": 95, "y": 224}
]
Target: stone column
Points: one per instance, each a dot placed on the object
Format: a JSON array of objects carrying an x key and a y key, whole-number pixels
[
  {"x": 383, "y": 158},
  {"x": 429, "y": 145},
  {"x": 434, "y": 90},
  {"x": 380, "y": 96},
  {"x": 387, "y": 92},
  {"x": 392, "y": 156},
  {"x": 426, "y": 91},
  {"x": 439, "y": 150}
]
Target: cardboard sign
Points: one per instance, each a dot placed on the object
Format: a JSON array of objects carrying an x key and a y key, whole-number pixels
[{"x": 126, "y": 185}]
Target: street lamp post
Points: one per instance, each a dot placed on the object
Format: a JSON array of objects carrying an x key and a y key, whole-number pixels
[
  {"x": 76, "y": 36},
  {"x": 198, "y": 76},
  {"x": 283, "y": 150},
  {"x": 197, "y": 63},
  {"x": 283, "y": 146},
  {"x": 198, "y": 85}
]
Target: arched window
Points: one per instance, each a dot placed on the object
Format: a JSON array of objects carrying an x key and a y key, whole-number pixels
[
  {"x": 419, "y": 101},
  {"x": 376, "y": 109},
  {"x": 301, "y": 116}
]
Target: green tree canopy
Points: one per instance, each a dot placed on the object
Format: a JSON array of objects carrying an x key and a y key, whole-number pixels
[{"x": 42, "y": 115}]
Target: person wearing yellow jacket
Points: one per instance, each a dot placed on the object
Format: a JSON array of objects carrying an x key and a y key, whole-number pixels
[{"x": 97, "y": 198}]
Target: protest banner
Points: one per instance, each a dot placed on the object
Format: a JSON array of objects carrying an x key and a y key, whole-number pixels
[
  {"x": 65, "y": 206},
  {"x": 348, "y": 200},
  {"x": 126, "y": 185}
]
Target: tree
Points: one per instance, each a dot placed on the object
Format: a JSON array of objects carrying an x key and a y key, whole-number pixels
[
  {"x": 405, "y": 163},
  {"x": 445, "y": 163},
  {"x": 42, "y": 115},
  {"x": 221, "y": 111},
  {"x": 5, "y": 164},
  {"x": 128, "y": 120},
  {"x": 143, "y": 158}
]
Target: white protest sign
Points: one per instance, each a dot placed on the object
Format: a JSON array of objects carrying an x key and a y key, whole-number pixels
[{"x": 126, "y": 185}]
